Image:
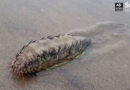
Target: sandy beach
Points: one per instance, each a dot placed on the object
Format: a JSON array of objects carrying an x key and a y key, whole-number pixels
[{"x": 105, "y": 66}]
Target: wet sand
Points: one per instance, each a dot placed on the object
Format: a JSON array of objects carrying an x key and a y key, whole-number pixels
[{"x": 106, "y": 65}]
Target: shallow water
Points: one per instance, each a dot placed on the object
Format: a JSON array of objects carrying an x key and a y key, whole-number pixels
[{"x": 105, "y": 66}]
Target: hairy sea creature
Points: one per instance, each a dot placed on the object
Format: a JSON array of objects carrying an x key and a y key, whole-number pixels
[{"x": 48, "y": 52}]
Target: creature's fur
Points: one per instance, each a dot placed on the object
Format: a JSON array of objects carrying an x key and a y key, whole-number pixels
[{"x": 47, "y": 52}]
